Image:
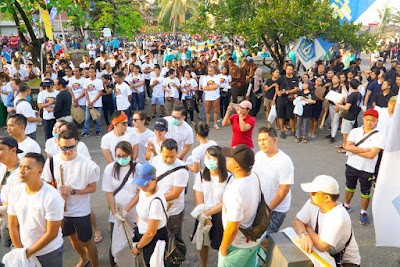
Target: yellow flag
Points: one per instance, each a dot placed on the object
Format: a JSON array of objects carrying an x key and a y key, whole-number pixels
[{"x": 47, "y": 23}]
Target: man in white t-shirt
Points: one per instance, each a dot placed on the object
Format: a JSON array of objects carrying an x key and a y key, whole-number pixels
[
  {"x": 180, "y": 131},
  {"x": 157, "y": 96},
  {"x": 240, "y": 203},
  {"x": 123, "y": 95},
  {"x": 9, "y": 178},
  {"x": 16, "y": 128},
  {"x": 211, "y": 90},
  {"x": 172, "y": 185},
  {"x": 80, "y": 176},
  {"x": 92, "y": 49},
  {"x": 276, "y": 172},
  {"x": 119, "y": 131},
  {"x": 17, "y": 72},
  {"x": 324, "y": 223},
  {"x": 75, "y": 87},
  {"x": 35, "y": 211},
  {"x": 22, "y": 106},
  {"x": 361, "y": 161},
  {"x": 147, "y": 68},
  {"x": 46, "y": 100},
  {"x": 93, "y": 88}
]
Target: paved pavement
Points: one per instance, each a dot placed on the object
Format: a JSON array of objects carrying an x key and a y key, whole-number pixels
[{"x": 311, "y": 159}]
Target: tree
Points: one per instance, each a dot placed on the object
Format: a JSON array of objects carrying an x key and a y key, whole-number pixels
[
  {"x": 276, "y": 23},
  {"x": 386, "y": 16},
  {"x": 176, "y": 11}
]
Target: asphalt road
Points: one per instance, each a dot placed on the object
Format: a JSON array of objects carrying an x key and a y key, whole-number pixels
[{"x": 311, "y": 159}]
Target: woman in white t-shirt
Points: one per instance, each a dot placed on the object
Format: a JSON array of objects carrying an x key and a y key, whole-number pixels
[
  {"x": 143, "y": 134},
  {"x": 116, "y": 173},
  {"x": 209, "y": 187},
  {"x": 188, "y": 88},
  {"x": 153, "y": 145},
  {"x": 137, "y": 87},
  {"x": 151, "y": 225},
  {"x": 201, "y": 130},
  {"x": 225, "y": 80}
]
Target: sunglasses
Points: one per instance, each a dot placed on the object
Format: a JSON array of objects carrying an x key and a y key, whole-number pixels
[
  {"x": 125, "y": 123},
  {"x": 65, "y": 148},
  {"x": 316, "y": 194},
  {"x": 135, "y": 120}
]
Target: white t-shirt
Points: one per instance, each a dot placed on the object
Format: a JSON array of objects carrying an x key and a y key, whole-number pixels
[
  {"x": 25, "y": 108},
  {"x": 157, "y": 146},
  {"x": 199, "y": 152},
  {"x": 142, "y": 141},
  {"x": 183, "y": 134},
  {"x": 84, "y": 65},
  {"x": 33, "y": 213},
  {"x": 76, "y": 86},
  {"x": 224, "y": 80},
  {"x": 28, "y": 145},
  {"x": 164, "y": 71},
  {"x": 240, "y": 203},
  {"x": 12, "y": 180},
  {"x": 146, "y": 66},
  {"x": 334, "y": 228},
  {"x": 21, "y": 73},
  {"x": 122, "y": 92},
  {"x": 167, "y": 82},
  {"x": 188, "y": 84},
  {"x": 137, "y": 63},
  {"x": 209, "y": 81},
  {"x": 150, "y": 210},
  {"x": 127, "y": 63},
  {"x": 52, "y": 148},
  {"x": 274, "y": 171},
  {"x": 45, "y": 97},
  {"x": 361, "y": 163},
  {"x": 157, "y": 89},
  {"x": 93, "y": 87},
  {"x": 179, "y": 179},
  {"x": 213, "y": 190},
  {"x": 126, "y": 194},
  {"x": 110, "y": 140},
  {"x": 136, "y": 79},
  {"x": 91, "y": 48},
  {"x": 5, "y": 87},
  {"x": 77, "y": 205}
]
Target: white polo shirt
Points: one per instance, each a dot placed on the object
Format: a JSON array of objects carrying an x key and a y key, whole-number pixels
[{"x": 361, "y": 163}]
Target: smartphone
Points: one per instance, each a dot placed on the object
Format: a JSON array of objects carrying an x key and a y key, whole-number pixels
[{"x": 235, "y": 105}]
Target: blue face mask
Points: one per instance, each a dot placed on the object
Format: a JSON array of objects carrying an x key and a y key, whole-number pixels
[
  {"x": 56, "y": 135},
  {"x": 175, "y": 122},
  {"x": 211, "y": 164},
  {"x": 123, "y": 161}
]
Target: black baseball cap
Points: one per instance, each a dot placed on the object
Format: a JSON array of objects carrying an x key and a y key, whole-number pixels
[
  {"x": 11, "y": 142},
  {"x": 242, "y": 154},
  {"x": 161, "y": 124}
]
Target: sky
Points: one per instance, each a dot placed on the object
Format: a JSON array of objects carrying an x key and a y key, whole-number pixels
[{"x": 372, "y": 15}]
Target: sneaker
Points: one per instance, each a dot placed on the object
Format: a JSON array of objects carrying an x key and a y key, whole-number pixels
[
  {"x": 97, "y": 134},
  {"x": 364, "y": 219},
  {"x": 217, "y": 127},
  {"x": 332, "y": 140},
  {"x": 347, "y": 208},
  {"x": 283, "y": 135},
  {"x": 85, "y": 135},
  {"x": 328, "y": 136},
  {"x": 219, "y": 120}
]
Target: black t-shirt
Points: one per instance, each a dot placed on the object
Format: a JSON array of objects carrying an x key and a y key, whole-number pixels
[
  {"x": 394, "y": 89},
  {"x": 288, "y": 84},
  {"x": 307, "y": 108},
  {"x": 270, "y": 94},
  {"x": 382, "y": 100},
  {"x": 375, "y": 68},
  {"x": 354, "y": 99},
  {"x": 338, "y": 68}
]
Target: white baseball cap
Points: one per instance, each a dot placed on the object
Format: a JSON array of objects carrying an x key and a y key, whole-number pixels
[
  {"x": 380, "y": 59},
  {"x": 322, "y": 183}
]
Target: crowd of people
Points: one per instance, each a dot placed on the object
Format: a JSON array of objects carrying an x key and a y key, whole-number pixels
[{"x": 146, "y": 177}]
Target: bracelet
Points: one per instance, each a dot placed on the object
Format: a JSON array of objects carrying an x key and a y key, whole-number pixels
[{"x": 137, "y": 247}]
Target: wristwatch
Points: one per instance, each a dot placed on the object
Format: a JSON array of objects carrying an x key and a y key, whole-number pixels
[
  {"x": 303, "y": 233},
  {"x": 73, "y": 192}
]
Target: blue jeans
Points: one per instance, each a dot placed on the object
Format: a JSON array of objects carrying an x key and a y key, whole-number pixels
[
  {"x": 54, "y": 258},
  {"x": 137, "y": 101},
  {"x": 203, "y": 111},
  {"x": 128, "y": 113},
  {"x": 88, "y": 120}
]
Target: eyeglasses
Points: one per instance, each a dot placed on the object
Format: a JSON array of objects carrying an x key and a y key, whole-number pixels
[{"x": 65, "y": 148}]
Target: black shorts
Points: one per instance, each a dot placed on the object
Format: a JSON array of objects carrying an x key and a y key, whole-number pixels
[
  {"x": 80, "y": 225},
  {"x": 284, "y": 110},
  {"x": 316, "y": 110},
  {"x": 365, "y": 178},
  {"x": 216, "y": 231}
]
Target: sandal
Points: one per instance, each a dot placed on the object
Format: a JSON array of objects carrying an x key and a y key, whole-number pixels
[
  {"x": 341, "y": 151},
  {"x": 339, "y": 146},
  {"x": 304, "y": 140},
  {"x": 98, "y": 238},
  {"x": 297, "y": 139},
  {"x": 217, "y": 127}
]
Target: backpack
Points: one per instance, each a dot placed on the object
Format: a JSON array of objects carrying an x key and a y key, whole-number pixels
[{"x": 261, "y": 221}]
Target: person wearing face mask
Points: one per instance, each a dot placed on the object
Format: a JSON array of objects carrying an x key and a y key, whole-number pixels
[
  {"x": 142, "y": 134},
  {"x": 117, "y": 184},
  {"x": 173, "y": 184},
  {"x": 51, "y": 143},
  {"x": 153, "y": 145},
  {"x": 201, "y": 129},
  {"x": 209, "y": 186}
]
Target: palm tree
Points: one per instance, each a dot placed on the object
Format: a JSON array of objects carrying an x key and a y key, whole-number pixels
[
  {"x": 396, "y": 17},
  {"x": 176, "y": 10}
]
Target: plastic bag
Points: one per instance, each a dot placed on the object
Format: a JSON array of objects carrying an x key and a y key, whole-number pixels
[
  {"x": 120, "y": 247},
  {"x": 272, "y": 114}
]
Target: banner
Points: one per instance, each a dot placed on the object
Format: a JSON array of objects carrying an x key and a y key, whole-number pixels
[
  {"x": 350, "y": 10},
  {"x": 47, "y": 23},
  {"x": 310, "y": 51},
  {"x": 53, "y": 14},
  {"x": 386, "y": 200}
]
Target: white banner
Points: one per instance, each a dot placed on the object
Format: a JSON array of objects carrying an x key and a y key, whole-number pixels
[{"x": 308, "y": 52}]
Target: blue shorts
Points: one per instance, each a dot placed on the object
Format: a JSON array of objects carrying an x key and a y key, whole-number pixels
[
  {"x": 275, "y": 223},
  {"x": 155, "y": 100}
]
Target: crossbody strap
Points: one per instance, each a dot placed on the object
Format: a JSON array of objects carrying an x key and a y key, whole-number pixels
[
  {"x": 165, "y": 174},
  {"x": 366, "y": 137},
  {"x": 125, "y": 179},
  {"x": 165, "y": 212}
]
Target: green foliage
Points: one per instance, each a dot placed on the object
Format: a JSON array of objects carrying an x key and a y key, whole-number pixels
[
  {"x": 175, "y": 11},
  {"x": 276, "y": 23}
]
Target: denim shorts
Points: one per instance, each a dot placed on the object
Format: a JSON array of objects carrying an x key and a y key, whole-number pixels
[
  {"x": 159, "y": 100},
  {"x": 275, "y": 223},
  {"x": 347, "y": 126}
]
